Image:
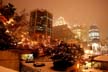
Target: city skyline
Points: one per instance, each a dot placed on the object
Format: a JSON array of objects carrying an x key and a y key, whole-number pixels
[{"x": 86, "y": 12}]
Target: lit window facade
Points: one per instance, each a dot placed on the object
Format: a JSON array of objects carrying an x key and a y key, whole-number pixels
[
  {"x": 94, "y": 39},
  {"x": 94, "y": 33},
  {"x": 41, "y": 24}
]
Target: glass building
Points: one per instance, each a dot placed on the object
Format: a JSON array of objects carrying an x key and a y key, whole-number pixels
[{"x": 40, "y": 24}]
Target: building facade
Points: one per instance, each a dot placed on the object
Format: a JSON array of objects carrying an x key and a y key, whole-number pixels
[
  {"x": 61, "y": 30},
  {"x": 80, "y": 32},
  {"x": 40, "y": 25},
  {"x": 94, "y": 34},
  {"x": 94, "y": 39}
]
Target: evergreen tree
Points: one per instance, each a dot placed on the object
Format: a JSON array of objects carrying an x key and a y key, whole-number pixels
[{"x": 65, "y": 55}]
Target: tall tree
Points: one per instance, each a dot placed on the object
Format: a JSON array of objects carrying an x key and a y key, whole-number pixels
[
  {"x": 6, "y": 41},
  {"x": 7, "y": 11}
]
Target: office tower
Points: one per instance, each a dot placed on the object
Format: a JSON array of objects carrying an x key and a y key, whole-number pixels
[
  {"x": 40, "y": 24},
  {"x": 61, "y": 30},
  {"x": 94, "y": 33},
  {"x": 80, "y": 32},
  {"x": 94, "y": 39}
]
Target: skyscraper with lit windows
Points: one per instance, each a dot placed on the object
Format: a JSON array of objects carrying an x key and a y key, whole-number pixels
[
  {"x": 80, "y": 32},
  {"x": 94, "y": 39},
  {"x": 94, "y": 33},
  {"x": 40, "y": 24}
]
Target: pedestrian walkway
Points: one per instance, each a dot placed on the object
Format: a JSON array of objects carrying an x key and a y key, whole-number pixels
[
  {"x": 30, "y": 68},
  {"x": 48, "y": 66},
  {"x": 4, "y": 69}
]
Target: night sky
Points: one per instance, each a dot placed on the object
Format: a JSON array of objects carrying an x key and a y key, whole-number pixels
[{"x": 74, "y": 11}]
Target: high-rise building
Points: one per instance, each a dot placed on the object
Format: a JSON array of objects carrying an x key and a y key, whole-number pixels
[
  {"x": 60, "y": 21},
  {"x": 40, "y": 24},
  {"x": 61, "y": 30},
  {"x": 94, "y": 39},
  {"x": 94, "y": 33},
  {"x": 80, "y": 32}
]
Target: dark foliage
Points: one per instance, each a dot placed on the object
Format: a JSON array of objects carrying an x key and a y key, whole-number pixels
[
  {"x": 6, "y": 41},
  {"x": 65, "y": 55},
  {"x": 8, "y": 11}
]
